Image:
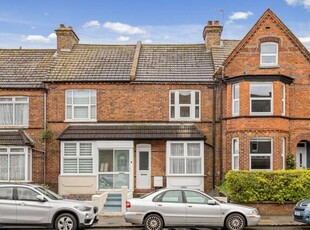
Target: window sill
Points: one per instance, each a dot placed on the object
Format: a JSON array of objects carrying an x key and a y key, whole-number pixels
[
  {"x": 188, "y": 119},
  {"x": 77, "y": 175},
  {"x": 261, "y": 114},
  {"x": 269, "y": 66},
  {"x": 184, "y": 175},
  {"x": 15, "y": 126},
  {"x": 80, "y": 121}
]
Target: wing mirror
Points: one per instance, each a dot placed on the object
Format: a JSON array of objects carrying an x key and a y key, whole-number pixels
[
  {"x": 41, "y": 198},
  {"x": 211, "y": 202}
]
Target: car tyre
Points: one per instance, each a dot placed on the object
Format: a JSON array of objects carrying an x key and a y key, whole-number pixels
[
  {"x": 66, "y": 221},
  {"x": 235, "y": 221},
  {"x": 153, "y": 222}
]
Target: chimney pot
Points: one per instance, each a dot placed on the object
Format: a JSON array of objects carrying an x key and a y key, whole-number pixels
[
  {"x": 62, "y": 26},
  {"x": 216, "y": 23},
  {"x": 209, "y": 23},
  {"x": 212, "y": 34},
  {"x": 66, "y": 38}
]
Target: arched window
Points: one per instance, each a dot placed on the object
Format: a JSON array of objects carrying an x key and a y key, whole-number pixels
[{"x": 268, "y": 54}]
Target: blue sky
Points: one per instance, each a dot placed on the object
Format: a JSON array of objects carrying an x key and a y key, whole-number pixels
[{"x": 31, "y": 23}]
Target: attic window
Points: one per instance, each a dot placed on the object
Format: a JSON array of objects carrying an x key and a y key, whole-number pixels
[{"x": 268, "y": 54}]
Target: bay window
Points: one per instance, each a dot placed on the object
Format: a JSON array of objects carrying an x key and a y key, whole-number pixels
[
  {"x": 261, "y": 99},
  {"x": 260, "y": 153},
  {"x": 77, "y": 158},
  {"x": 184, "y": 105},
  {"x": 81, "y": 105},
  {"x": 15, "y": 164},
  {"x": 14, "y": 111},
  {"x": 185, "y": 158}
]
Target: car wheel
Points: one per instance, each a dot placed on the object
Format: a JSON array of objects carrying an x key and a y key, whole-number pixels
[
  {"x": 235, "y": 221},
  {"x": 65, "y": 221},
  {"x": 153, "y": 222}
]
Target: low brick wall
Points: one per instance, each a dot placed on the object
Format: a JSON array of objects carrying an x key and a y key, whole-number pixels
[{"x": 269, "y": 208}]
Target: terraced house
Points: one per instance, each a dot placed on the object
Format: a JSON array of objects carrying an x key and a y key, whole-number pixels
[{"x": 87, "y": 118}]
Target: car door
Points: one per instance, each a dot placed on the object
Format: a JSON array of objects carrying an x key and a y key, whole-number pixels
[
  {"x": 7, "y": 205},
  {"x": 199, "y": 212},
  {"x": 171, "y": 206},
  {"x": 30, "y": 210}
]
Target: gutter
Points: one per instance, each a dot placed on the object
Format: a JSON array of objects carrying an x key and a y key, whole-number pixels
[{"x": 221, "y": 123}]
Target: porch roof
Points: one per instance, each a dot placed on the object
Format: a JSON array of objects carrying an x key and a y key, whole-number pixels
[
  {"x": 132, "y": 132},
  {"x": 14, "y": 137}
]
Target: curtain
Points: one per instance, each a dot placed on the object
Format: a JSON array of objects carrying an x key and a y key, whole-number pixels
[
  {"x": 6, "y": 114},
  {"x": 177, "y": 166},
  {"x": 177, "y": 149},
  {"x": 17, "y": 167},
  {"x": 21, "y": 114},
  {"x": 4, "y": 167},
  {"x": 193, "y": 149}
]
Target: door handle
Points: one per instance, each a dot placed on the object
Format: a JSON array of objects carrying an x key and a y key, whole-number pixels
[
  {"x": 190, "y": 206},
  {"x": 22, "y": 204},
  {"x": 143, "y": 174},
  {"x": 159, "y": 205}
]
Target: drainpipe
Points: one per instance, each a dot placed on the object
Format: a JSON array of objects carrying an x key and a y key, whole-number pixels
[
  {"x": 221, "y": 124},
  {"x": 45, "y": 128},
  {"x": 214, "y": 136}
]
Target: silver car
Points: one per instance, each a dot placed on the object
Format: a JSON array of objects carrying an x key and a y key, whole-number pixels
[
  {"x": 35, "y": 205},
  {"x": 187, "y": 207}
]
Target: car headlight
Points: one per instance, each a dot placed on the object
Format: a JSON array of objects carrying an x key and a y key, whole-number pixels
[
  {"x": 253, "y": 212},
  {"x": 83, "y": 208}
]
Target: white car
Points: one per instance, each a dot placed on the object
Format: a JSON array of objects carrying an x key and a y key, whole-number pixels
[
  {"x": 33, "y": 205},
  {"x": 187, "y": 207}
]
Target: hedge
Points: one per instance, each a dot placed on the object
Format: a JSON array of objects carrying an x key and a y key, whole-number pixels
[{"x": 276, "y": 186}]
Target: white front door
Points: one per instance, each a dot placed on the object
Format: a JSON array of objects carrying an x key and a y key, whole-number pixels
[
  {"x": 143, "y": 166},
  {"x": 301, "y": 159}
]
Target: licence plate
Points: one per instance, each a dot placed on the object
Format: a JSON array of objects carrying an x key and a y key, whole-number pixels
[{"x": 296, "y": 213}]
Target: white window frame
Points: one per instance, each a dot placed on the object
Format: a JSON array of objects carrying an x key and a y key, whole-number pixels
[
  {"x": 27, "y": 153},
  {"x": 234, "y": 142},
  {"x": 283, "y": 99},
  {"x": 89, "y": 105},
  {"x": 185, "y": 143},
  {"x": 258, "y": 139},
  {"x": 283, "y": 152},
  {"x": 177, "y": 105},
  {"x": 234, "y": 86},
  {"x": 262, "y": 64},
  {"x": 14, "y": 102},
  {"x": 77, "y": 157},
  {"x": 263, "y": 99}
]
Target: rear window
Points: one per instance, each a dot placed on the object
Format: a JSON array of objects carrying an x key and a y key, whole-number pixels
[{"x": 6, "y": 193}]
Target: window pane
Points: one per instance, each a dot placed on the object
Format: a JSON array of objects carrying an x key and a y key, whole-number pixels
[
  {"x": 120, "y": 180},
  {"x": 269, "y": 48},
  {"x": 185, "y": 111},
  {"x": 93, "y": 97},
  {"x": 80, "y": 97},
  {"x": 81, "y": 112},
  {"x": 6, "y": 99},
  {"x": 24, "y": 99},
  {"x": 235, "y": 147},
  {"x": 6, "y": 193},
  {"x": 27, "y": 194},
  {"x": 197, "y": 98},
  {"x": 184, "y": 97},
  {"x": 121, "y": 161},
  {"x": 195, "y": 198},
  {"x": 197, "y": 112},
  {"x": 106, "y": 160},
  {"x": 172, "y": 98},
  {"x": 70, "y": 165},
  {"x": 260, "y": 146},
  {"x": 17, "y": 167},
  {"x": 172, "y": 197},
  {"x": 172, "y": 112},
  {"x": 93, "y": 112},
  {"x": 269, "y": 59},
  {"x": 69, "y": 97},
  {"x": 236, "y": 162},
  {"x": 261, "y": 105},
  {"x": 260, "y": 162},
  {"x": 193, "y": 166},
  {"x": 177, "y": 166},
  {"x": 6, "y": 114},
  {"x": 236, "y": 91},
  {"x": 17, "y": 150},
  {"x": 69, "y": 112},
  {"x": 85, "y": 149},
  {"x": 70, "y": 149},
  {"x": 193, "y": 149},
  {"x": 177, "y": 149},
  {"x": 236, "y": 107},
  {"x": 143, "y": 160},
  {"x": 85, "y": 165},
  {"x": 261, "y": 90},
  {"x": 21, "y": 114},
  {"x": 4, "y": 169}
]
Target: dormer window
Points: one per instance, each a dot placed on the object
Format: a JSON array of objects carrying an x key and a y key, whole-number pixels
[{"x": 268, "y": 54}]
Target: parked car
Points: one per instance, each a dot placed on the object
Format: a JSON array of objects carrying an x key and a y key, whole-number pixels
[
  {"x": 35, "y": 205},
  {"x": 301, "y": 211},
  {"x": 187, "y": 207}
]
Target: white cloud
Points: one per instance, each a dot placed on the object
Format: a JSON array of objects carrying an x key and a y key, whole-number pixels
[
  {"x": 240, "y": 15},
  {"x": 123, "y": 39},
  {"x": 92, "y": 24},
  {"x": 40, "y": 39},
  {"x": 305, "y": 3},
  {"x": 306, "y": 42},
  {"x": 147, "y": 41},
  {"x": 123, "y": 28}
]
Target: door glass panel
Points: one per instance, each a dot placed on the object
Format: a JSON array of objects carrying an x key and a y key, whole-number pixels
[
  {"x": 27, "y": 194},
  {"x": 121, "y": 161},
  {"x": 106, "y": 160},
  {"x": 195, "y": 198},
  {"x": 6, "y": 193},
  {"x": 172, "y": 197},
  {"x": 143, "y": 160},
  {"x": 120, "y": 180}
]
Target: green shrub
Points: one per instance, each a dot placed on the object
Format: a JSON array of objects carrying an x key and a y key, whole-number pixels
[
  {"x": 277, "y": 186},
  {"x": 290, "y": 161}
]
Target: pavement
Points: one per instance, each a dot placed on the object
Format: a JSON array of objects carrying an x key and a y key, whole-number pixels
[{"x": 119, "y": 222}]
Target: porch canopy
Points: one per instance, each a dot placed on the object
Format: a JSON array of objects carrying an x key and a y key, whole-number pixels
[
  {"x": 14, "y": 138},
  {"x": 132, "y": 132}
]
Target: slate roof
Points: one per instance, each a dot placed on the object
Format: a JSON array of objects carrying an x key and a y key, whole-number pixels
[
  {"x": 181, "y": 63},
  {"x": 24, "y": 68},
  {"x": 14, "y": 137},
  {"x": 220, "y": 53},
  {"x": 131, "y": 132},
  {"x": 94, "y": 63}
]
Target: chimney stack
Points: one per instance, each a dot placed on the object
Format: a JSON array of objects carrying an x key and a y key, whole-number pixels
[
  {"x": 66, "y": 38},
  {"x": 212, "y": 34}
]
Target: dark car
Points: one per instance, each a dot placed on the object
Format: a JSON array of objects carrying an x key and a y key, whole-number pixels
[{"x": 301, "y": 212}]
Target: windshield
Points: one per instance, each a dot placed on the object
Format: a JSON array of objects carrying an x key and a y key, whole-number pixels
[
  {"x": 148, "y": 194},
  {"x": 49, "y": 193}
]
